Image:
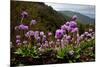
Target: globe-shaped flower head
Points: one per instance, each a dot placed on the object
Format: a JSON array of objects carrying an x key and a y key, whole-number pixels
[
  {"x": 23, "y": 27},
  {"x": 18, "y": 36},
  {"x": 33, "y": 22},
  {"x": 59, "y": 33},
  {"x": 73, "y": 24},
  {"x": 74, "y": 18},
  {"x": 24, "y": 14},
  {"x": 29, "y": 33}
]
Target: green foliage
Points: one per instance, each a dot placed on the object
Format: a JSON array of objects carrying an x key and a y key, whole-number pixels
[
  {"x": 74, "y": 54},
  {"x": 68, "y": 54},
  {"x": 48, "y": 53},
  {"x": 61, "y": 53},
  {"x": 88, "y": 48},
  {"x": 25, "y": 51},
  {"x": 84, "y": 27}
]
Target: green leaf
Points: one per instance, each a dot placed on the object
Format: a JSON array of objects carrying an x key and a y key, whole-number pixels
[
  {"x": 19, "y": 51},
  {"x": 70, "y": 61},
  {"x": 60, "y": 57},
  {"x": 78, "y": 56}
]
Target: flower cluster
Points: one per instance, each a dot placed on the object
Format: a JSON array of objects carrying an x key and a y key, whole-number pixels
[{"x": 67, "y": 34}]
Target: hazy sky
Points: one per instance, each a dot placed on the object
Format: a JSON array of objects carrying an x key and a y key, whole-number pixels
[{"x": 88, "y": 10}]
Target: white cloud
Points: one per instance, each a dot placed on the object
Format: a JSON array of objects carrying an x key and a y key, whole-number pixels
[{"x": 88, "y": 10}]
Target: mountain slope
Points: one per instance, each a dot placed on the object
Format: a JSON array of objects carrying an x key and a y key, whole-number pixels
[
  {"x": 47, "y": 18},
  {"x": 82, "y": 18}
]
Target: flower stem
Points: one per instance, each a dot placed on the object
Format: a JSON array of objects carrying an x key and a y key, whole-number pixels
[{"x": 22, "y": 19}]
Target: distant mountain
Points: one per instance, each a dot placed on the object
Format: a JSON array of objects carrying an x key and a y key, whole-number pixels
[{"x": 82, "y": 18}]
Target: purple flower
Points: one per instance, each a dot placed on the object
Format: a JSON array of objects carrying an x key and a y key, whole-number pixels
[
  {"x": 93, "y": 32},
  {"x": 67, "y": 23},
  {"x": 74, "y": 18},
  {"x": 73, "y": 24},
  {"x": 90, "y": 30},
  {"x": 51, "y": 42},
  {"x": 36, "y": 34},
  {"x": 46, "y": 44},
  {"x": 89, "y": 35},
  {"x": 49, "y": 33},
  {"x": 74, "y": 30},
  {"x": 24, "y": 14},
  {"x": 85, "y": 33},
  {"x": 18, "y": 41},
  {"x": 58, "y": 42},
  {"x": 68, "y": 38},
  {"x": 65, "y": 36},
  {"x": 82, "y": 36},
  {"x": 25, "y": 42},
  {"x": 41, "y": 33},
  {"x": 64, "y": 31},
  {"x": 29, "y": 33},
  {"x": 38, "y": 39},
  {"x": 33, "y": 22},
  {"x": 59, "y": 33},
  {"x": 23, "y": 27},
  {"x": 26, "y": 27},
  {"x": 18, "y": 36},
  {"x": 68, "y": 28},
  {"x": 78, "y": 40},
  {"x": 62, "y": 43},
  {"x": 16, "y": 28},
  {"x": 63, "y": 27},
  {"x": 44, "y": 38}
]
